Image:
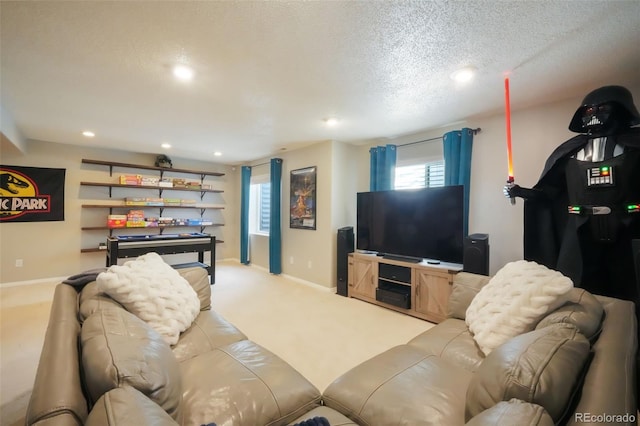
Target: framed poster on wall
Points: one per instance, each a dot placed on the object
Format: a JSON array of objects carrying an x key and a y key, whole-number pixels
[
  {"x": 31, "y": 194},
  {"x": 302, "y": 211}
]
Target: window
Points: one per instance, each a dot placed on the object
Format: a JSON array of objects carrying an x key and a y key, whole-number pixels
[
  {"x": 260, "y": 208},
  {"x": 423, "y": 175},
  {"x": 265, "y": 207}
]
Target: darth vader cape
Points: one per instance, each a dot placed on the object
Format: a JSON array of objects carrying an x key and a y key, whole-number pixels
[{"x": 548, "y": 239}]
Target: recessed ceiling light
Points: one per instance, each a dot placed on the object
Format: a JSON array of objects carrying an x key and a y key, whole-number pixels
[
  {"x": 331, "y": 121},
  {"x": 88, "y": 133},
  {"x": 464, "y": 75},
  {"x": 183, "y": 72},
  {"x": 217, "y": 153},
  {"x": 166, "y": 145}
]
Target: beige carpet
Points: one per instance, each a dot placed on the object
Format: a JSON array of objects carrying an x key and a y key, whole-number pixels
[{"x": 318, "y": 332}]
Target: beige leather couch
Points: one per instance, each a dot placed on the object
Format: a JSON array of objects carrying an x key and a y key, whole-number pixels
[
  {"x": 578, "y": 366},
  {"x": 101, "y": 365}
]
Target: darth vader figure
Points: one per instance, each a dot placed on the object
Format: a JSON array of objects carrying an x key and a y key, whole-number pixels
[{"x": 582, "y": 215}]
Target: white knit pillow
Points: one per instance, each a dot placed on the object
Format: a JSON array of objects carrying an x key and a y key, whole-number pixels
[
  {"x": 155, "y": 292},
  {"x": 513, "y": 302}
]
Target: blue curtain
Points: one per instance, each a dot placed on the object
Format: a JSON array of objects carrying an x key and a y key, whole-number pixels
[
  {"x": 382, "y": 170},
  {"x": 245, "y": 188},
  {"x": 275, "y": 233},
  {"x": 458, "y": 145}
]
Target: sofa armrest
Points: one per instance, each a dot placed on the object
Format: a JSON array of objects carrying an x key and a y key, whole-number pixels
[
  {"x": 57, "y": 396},
  {"x": 512, "y": 412},
  {"x": 127, "y": 406},
  {"x": 465, "y": 287},
  {"x": 198, "y": 278},
  {"x": 610, "y": 383}
]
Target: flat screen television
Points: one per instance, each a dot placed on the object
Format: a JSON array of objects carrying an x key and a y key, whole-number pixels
[{"x": 418, "y": 224}]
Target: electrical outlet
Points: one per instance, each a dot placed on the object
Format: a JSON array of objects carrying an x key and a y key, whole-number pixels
[
  {"x": 19, "y": 263},
  {"x": 309, "y": 264},
  {"x": 291, "y": 260}
]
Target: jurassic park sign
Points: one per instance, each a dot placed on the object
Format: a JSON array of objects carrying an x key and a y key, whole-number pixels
[{"x": 31, "y": 194}]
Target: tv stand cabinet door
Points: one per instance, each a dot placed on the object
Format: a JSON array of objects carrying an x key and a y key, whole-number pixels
[
  {"x": 364, "y": 279},
  {"x": 432, "y": 294}
]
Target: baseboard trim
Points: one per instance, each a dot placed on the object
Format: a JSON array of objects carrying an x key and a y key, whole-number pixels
[
  {"x": 298, "y": 280},
  {"x": 56, "y": 280},
  {"x": 309, "y": 283},
  {"x": 52, "y": 280}
]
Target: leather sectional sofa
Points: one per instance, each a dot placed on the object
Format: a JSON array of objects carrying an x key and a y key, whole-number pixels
[{"x": 101, "y": 365}]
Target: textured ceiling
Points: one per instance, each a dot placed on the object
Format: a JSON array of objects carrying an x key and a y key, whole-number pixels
[{"x": 268, "y": 73}]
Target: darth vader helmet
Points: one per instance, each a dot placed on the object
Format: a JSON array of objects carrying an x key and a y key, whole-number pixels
[{"x": 605, "y": 111}]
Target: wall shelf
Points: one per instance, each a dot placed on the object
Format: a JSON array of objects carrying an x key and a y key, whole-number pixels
[
  {"x": 102, "y": 228},
  {"x": 198, "y": 205},
  {"x": 136, "y": 207},
  {"x": 149, "y": 187},
  {"x": 112, "y": 164}
]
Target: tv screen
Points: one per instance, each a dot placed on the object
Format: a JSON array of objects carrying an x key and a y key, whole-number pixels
[{"x": 422, "y": 223}]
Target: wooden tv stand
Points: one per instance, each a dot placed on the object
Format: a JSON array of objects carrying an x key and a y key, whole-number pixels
[{"x": 418, "y": 289}]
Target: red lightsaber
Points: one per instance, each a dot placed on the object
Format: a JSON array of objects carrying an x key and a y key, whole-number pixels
[{"x": 507, "y": 106}]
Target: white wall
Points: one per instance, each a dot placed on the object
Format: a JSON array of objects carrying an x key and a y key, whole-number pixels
[
  {"x": 306, "y": 253},
  {"x": 536, "y": 132},
  {"x": 52, "y": 249},
  {"x": 311, "y": 254},
  {"x": 344, "y": 185},
  {"x": 11, "y": 137}
]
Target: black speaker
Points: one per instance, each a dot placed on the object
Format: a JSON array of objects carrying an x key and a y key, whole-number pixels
[
  {"x": 476, "y": 254},
  {"x": 345, "y": 246}
]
